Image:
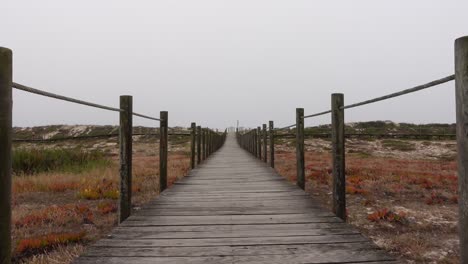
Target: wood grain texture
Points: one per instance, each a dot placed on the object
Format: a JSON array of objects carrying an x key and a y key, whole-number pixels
[
  {"x": 193, "y": 140},
  {"x": 271, "y": 135},
  {"x": 199, "y": 144},
  {"x": 125, "y": 154},
  {"x": 234, "y": 208},
  {"x": 6, "y": 103},
  {"x": 461, "y": 83},
  {"x": 338, "y": 153},
  {"x": 163, "y": 148},
  {"x": 300, "y": 155}
]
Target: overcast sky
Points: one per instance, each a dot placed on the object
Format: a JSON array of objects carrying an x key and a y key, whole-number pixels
[{"x": 215, "y": 62}]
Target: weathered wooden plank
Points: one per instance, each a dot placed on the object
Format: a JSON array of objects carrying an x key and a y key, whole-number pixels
[
  {"x": 332, "y": 249},
  {"x": 247, "y": 199},
  {"x": 231, "y": 241},
  {"x": 240, "y": 203},
  {"x": 227, "y": 220},
  {"x": 135, "y": 233},
  {"x": 230, "y": 195},
  {"x": 234, "y": 228},
  {"x": 345, "y": 256},
  {"x": 181, "y": 207}
]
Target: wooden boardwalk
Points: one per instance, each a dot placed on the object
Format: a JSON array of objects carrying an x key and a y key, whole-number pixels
[{"x": 234, "y": 209}]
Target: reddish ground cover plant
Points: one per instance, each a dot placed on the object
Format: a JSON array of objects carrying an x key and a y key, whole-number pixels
[
  {"x": 387, "y": 215},
  {"x": 406, "y": 205},
  {"x": 107, "y": 207},
  {"x": 37, "y": 245},
  {"x": 57, "y": 215}
]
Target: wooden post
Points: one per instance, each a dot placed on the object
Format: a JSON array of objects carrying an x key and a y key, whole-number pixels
[
  {"x": 125, "y": 140},
  {"x": 247, "y": 138},
  {"x": 193, "y": 133},
  {"x": 163, "y": 125},
  {"x": 461, "y": 84},
  {"x": 300, "y": 170},
  {"x": 264, "y": 143},
  {"x": 203, "y": 137},
  {"x": 259, "y": 142},
  {"x": 208, "y": 142},
  {"x": 210, "y": 139},
  {"x": 272, "y": 144},
  {"x": 6, "y": 101},
  {"x": 250, "y": 142},
  {"x": 198, "y": 144},
  {"x": 254, "y": 142},
  {"x": 338, "y": 146}
]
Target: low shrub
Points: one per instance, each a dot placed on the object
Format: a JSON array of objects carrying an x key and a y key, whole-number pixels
[
  {"x": 36, "y": 160},
  {"x": 398, "y": 145}
]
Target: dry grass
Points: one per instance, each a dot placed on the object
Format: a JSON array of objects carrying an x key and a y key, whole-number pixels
[
  {"x": 407, "y": 206},
  {"x": 56, "y": 214}
]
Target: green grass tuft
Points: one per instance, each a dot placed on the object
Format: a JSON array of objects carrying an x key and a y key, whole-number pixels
[{"x": 76, "y": 160}]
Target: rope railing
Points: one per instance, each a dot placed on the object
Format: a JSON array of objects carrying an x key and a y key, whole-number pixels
[
  {"x": 73, "y": 100},
  {"x": 61, "y": 97},
  {"x": 318, "y": 114},
  {"x": 147, "y": 117},
  {"x": 371, "y": 135},
  {"x": 392, "y": 95},
  {"x": 286, "y": 127},
  {"x": 404, "y": 92}
]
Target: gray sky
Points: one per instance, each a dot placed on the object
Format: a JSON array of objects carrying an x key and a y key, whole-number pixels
[{"x": 217, "y": 61}]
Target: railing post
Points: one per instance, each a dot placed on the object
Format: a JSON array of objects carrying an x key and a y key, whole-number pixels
[
  {"x": 192, "y": 146},
  {"x": 210, "y": 142},
  {"x": 198, "y": 144},
  {"x": 272, "y": 144},
  {"x": 163, "y": 125},
  {"x": 250, "y": 141},
  {"x": 247, "y": 141},
  {"x": 461, "y": 84},
  {"x": 264, "y": 143},
  {"x": 254, "y": 143},
  {"x": 338, "y": 146},
  {"x": 203, "y": 138},
  {"x": 249, "y": 138},
  {"x": 300, "y": 170},
  {"x": 125, "y": 144},
  {"x": 6, "y": 71},
  {"x": 259, "y": 142}
]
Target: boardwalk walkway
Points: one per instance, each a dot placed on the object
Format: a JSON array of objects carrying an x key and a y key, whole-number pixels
[{"x": 234, "y": 209}]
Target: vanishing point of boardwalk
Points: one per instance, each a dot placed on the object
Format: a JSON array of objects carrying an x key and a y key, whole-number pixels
[{"x": 234, "y": 209}]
